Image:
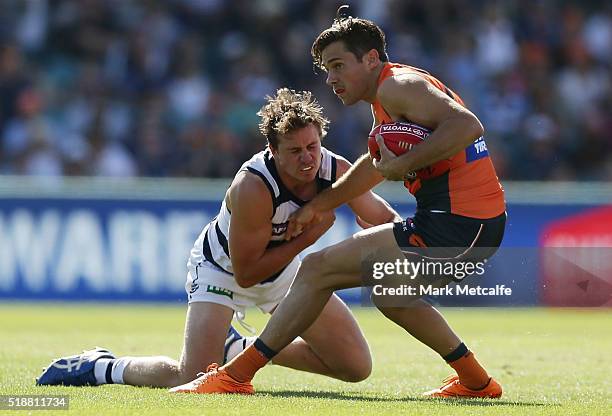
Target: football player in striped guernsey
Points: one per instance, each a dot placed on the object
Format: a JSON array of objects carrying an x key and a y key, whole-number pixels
[{"x": 242, "y": 259}]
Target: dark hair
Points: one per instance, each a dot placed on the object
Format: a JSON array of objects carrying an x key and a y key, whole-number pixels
[
  {"x": 358, "y": 35},
  {"x": 288, "y": 111}
]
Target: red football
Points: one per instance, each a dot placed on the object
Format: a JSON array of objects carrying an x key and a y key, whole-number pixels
[{"x": 399, "y": 137}]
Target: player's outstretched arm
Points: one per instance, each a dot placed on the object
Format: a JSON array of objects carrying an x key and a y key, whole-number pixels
[
  {"x": 454, "y": 127},
  {"x": 250, "y": 230},
  {"x": 360, "y": 178},
  {"x": 370, "y": 208}
]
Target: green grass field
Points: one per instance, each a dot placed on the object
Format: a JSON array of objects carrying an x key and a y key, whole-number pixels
[{"x": 548, "y": 361}]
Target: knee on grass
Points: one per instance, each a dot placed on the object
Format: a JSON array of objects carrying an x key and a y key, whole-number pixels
[
  {"x": 355, "y": 364},
  {"x": 357, "y": 371}
]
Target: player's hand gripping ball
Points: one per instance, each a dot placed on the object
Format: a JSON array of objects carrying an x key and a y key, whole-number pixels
[{"x": 401, "y": 137}]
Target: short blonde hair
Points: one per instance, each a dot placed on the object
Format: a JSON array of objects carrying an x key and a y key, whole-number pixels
[{"x": 288, "y": 111}]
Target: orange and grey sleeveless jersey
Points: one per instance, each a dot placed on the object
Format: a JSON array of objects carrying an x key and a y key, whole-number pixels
[
  {"x": 469, "y": 187},
  {"x": 213, "y": 241}
]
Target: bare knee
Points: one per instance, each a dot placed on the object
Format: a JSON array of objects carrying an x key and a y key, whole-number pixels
[
  {"x": 314, "y": 262},
  {"x": 358, "y": 370},
  {"x": 355, "y": 364},
  {"x": 314, "y": 266}
]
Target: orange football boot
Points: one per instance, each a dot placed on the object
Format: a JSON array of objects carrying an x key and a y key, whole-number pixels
[
  {"x": 452, "y": 388},
  {"x": 215, "y": 380}
]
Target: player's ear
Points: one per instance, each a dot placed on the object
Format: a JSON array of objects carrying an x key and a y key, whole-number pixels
[
  {"x": 371, "y": 58},
  {"x": 273, "y": 150}
]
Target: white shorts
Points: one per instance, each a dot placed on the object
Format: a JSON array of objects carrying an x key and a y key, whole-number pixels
[{"x": 206, "y": 283}]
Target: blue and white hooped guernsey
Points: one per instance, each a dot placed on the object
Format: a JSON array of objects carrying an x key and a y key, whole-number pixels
[{"x": 213, "y": 241}]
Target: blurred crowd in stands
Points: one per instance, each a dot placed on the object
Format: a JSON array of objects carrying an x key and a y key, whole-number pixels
[{"x": 172, "y": 87}]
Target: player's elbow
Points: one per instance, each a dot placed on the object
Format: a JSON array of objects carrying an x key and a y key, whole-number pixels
[{"x": 475, "y": 128}]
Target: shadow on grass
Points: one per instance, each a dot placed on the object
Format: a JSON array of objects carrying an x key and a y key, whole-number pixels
[{"x": 357, "y": 396}]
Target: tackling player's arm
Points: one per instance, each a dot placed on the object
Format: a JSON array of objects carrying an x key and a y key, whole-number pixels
[
  {"x": 360, "y": 178},
  {"x": 453, "y": 126},
  {"x": 370, "y": 208},
  {"x": 250, "y": 203}
]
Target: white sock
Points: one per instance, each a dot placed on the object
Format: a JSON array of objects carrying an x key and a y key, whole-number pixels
[
  {"x": 100, "y": 369},
  {"x": 117, "y": 366},
  {"x": 238, "y": 346}
]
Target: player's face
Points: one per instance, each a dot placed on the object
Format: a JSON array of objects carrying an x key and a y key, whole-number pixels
[
  {"x": 299, "y": 153},
  {"x": 349, "y": 77}
]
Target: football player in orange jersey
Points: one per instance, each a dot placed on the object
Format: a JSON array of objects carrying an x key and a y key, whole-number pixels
[{"x": 460, "y": 213}]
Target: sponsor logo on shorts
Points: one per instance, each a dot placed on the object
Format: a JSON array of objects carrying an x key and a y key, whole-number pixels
[
  {"x": 195, "y": 286},
  {"x": 220, "y": 291},
  {"x": 406, "y": 224}
]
